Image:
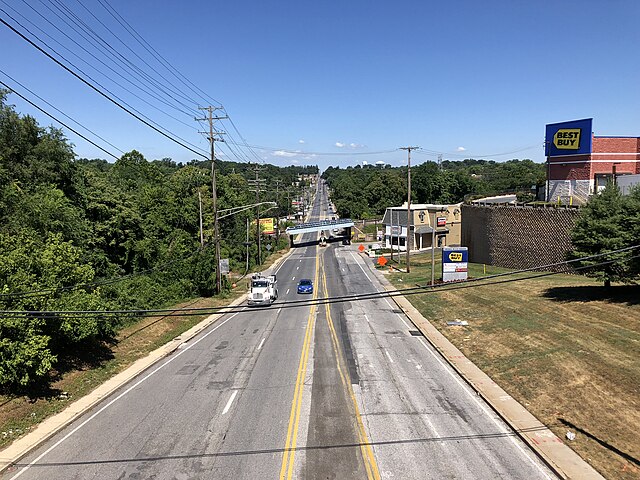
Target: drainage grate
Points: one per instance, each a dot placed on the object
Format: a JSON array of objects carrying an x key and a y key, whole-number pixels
[{"x": 415, "y": 333}]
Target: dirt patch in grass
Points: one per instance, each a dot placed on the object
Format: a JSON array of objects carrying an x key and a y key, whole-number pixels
[{"x": 563, "y": 346}]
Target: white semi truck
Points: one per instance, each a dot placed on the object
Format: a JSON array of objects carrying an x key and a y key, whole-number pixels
[{"x": 263, "y": 290}]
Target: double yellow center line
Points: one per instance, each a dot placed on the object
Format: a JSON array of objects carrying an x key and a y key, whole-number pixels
[{"x": 286, "y": 471}]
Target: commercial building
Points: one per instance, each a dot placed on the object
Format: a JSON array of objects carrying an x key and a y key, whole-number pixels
[
  {"x": 427, "y": 222},
  {"x": 580, "y": 164}
]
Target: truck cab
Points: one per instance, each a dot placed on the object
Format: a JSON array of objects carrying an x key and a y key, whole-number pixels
[{"x": 263, "y": 290}]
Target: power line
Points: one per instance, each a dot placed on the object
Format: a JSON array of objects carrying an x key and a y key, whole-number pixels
[
  {"x": 471, "y": 283},
  {"x": 175, "y": 72},
  {"x": 111, "y": 69},
  {"x": 302, "y": 152},
  {"x": 174, "y": 89},
  {"x": 93, "y": 87},
  {"x": 62, "y": 113},
  {"x": 59, "y": 121},
  {"x": 119, "y": 57}
]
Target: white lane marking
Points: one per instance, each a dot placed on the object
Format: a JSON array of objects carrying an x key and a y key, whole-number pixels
[
  {"x": 293, "y": 278},
  {"x": 287, "y": 291},
  {"x": 156, "y": 370},
  {"x": 380, "y": 291},
  {"x": 261, "y": 343},
  {"x": 466, "y": 388},
  {"x": 279, "y": 267},
  {"x": 388, "y": 356},
  {"x": 228, "y": 405},
  {"x": 300, "y": 260},
  {"x": 298, "y": 268},
  {"x": 366, "y": 318}
]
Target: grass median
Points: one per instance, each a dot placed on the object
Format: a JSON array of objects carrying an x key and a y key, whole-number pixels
[{"x": 564, "y": 346}]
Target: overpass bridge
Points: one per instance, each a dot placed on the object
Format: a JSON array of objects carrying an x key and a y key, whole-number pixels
[{"x": 321, "y": 226}]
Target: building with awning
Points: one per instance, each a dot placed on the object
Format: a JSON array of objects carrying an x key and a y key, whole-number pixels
[{"x": 440, "y": 224}]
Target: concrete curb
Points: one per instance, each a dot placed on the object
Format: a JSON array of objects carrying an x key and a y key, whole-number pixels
[
  {"x": 52, "y": 425},
  {"x": 561, "y": 459}
]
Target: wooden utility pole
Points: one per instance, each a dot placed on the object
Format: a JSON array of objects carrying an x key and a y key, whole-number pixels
[
  {"x": 213, "y": 138},
  {"x": 258, "y": 184},
  {"x": 201, "y": 232},
  {"x": 409, "y": 233},
  {"x": 278, "y": 181}
]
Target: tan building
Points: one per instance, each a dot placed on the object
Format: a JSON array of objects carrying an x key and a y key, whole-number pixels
[{"x": 440, "y": 223}]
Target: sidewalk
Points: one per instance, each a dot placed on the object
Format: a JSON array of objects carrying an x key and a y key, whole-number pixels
[{"x": 566, "y": 463}]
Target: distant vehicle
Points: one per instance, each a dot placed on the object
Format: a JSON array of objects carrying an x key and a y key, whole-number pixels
[
  {"x": 262, "y": 290},
  {"x": 305, "y": 286}
]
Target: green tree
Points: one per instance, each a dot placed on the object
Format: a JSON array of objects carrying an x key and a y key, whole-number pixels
[{"x": 604, "y": 225}]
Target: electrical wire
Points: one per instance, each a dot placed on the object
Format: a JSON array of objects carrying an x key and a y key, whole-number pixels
[
  {"x": 111, "y": 69},
  {"x": 175, "y": 90},
  {"x": 153, "y": 52},
  {"x": 60, "y": 121},
  {"x": 64, "y": 114},
  {"x": 148, "y": 122},
  {"x": 339, "y": 299}
]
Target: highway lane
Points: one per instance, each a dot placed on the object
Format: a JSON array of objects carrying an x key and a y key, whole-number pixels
[{"x": 308, "y": 392}]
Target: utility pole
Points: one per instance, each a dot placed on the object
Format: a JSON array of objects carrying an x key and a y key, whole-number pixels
[
  {"x": 409, "y": 233},
  {"x": 278, "y": 181},
  {"x": 213, "y": 138},
  {"x": 201, "y": 232},
  {"x": 246, "y": 243},
  {"x": 258, "y": 184}
]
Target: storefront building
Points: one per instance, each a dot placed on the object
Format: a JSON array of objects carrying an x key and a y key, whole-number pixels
[
  {"x": 428, "y": 222},
  {"x": 580, "y": 164}
]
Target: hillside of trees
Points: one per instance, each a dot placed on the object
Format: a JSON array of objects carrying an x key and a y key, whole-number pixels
[
  {"x": 365, "y": 192},
  {"x": 93, "y": 235}
]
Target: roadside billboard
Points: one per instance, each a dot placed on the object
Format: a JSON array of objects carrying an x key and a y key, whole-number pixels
[
  {"x": 266, "y": 225},
  {"x": 569, "y": 138},
  {"x": 454, "y": 263}
]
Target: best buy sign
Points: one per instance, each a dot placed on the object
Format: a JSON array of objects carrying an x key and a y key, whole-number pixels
[{"x": 567, "y": 138}]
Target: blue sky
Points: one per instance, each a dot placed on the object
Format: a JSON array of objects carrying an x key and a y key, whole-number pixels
[{"x": 463, "y": 78}]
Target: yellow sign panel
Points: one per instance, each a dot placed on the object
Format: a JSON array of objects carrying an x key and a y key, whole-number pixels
[
  {"x": 567, "y": 139},
  {"x": 266, "y": 225},
  {"x": 455, "y": 256}
]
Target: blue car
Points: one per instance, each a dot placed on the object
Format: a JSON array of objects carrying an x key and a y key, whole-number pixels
[{"x": 305, "y": 286}]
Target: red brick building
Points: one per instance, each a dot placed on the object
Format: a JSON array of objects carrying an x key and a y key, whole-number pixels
[{"x": 574, "y": 177}]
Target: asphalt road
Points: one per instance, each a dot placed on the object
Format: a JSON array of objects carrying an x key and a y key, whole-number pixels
[{"x": 319, "y": 392}]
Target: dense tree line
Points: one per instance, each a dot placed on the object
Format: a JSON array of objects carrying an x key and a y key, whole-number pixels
[
  {"x": 363, "y": 192},
  {"x": 93, "y": 235}
]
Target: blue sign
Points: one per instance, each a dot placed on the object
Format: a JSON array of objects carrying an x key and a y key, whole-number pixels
[
  {"x": 455, "y": 255},
  {"x": 569, "y": 138},
  {"x": 454, "y": 264}
]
